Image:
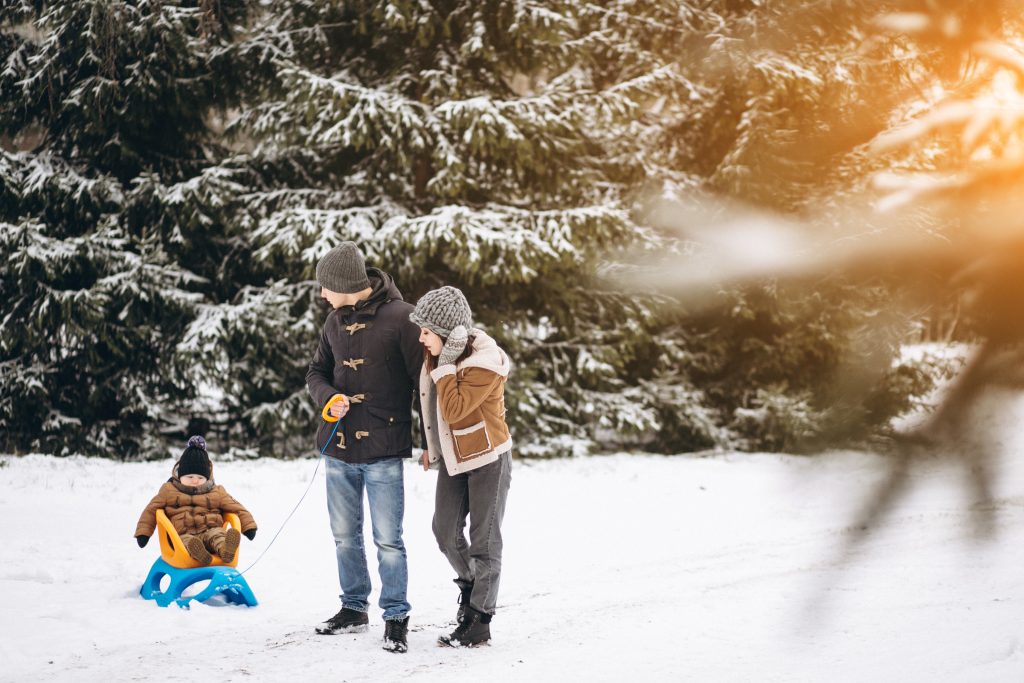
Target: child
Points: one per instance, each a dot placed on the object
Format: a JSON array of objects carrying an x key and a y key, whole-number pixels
[
  {"x": 195, "y": 504},
  {"x": 462, "y": 393}
]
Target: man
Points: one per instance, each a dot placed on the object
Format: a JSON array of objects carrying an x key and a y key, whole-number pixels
[{"x": 365, "y": 372}]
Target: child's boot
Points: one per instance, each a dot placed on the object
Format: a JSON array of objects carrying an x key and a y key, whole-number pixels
[
  {"x": 196, "y": 550},
  {"x": 230, "y": 547}
]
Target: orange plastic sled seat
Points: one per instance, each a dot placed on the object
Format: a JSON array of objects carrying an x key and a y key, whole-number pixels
[{"x": 173, "y": 550}]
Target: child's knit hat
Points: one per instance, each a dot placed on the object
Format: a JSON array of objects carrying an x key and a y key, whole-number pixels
[{"x": 195, "y": 459}]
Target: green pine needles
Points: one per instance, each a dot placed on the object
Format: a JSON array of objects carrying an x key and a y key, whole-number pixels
[{"x": 172, "y": 171}]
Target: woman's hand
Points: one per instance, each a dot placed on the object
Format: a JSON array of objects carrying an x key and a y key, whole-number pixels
[
  {"x": 454, "y": 346},
  {"x": 425, "y": 460}
]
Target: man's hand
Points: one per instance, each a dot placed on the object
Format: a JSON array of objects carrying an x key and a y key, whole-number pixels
[
  {"x": 142, "y": 540},
  {"x": 339, "y": 408},
  {"x": 250, "y": 534}
]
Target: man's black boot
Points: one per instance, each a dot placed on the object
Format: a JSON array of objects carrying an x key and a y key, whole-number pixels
[
  {"x": 396, "y": 632},
  {"x": 345, "y": 621}
]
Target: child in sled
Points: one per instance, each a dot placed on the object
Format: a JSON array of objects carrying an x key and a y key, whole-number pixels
[{"x": 196, "y": 504}]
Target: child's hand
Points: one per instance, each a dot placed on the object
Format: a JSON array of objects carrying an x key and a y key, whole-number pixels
[
  {"x": 142, "y": 541},
  {"x": 250, "y": 534}
]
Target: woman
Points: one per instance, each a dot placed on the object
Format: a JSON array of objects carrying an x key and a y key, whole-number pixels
[{"x": 462, "y": 396}]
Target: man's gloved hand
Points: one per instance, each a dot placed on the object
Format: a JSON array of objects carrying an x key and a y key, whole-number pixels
[
  {"x": 142, "y": 541},
  {"x": 250, "y": 534},
  {"x": 454, "y": 347}
]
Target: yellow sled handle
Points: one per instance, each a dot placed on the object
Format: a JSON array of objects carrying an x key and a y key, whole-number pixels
[{"x": 326, "y": 412}]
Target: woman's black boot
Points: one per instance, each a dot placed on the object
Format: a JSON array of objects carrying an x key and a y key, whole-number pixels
[
  {"x": 466, "y": 591},
  {"x": 473, "y": 631}
]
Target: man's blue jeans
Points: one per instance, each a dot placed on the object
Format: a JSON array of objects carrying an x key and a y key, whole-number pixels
[{"x": 383, "y": 481}]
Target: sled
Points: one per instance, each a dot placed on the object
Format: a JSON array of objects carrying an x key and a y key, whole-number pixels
[{"x": 175, "y": 562}]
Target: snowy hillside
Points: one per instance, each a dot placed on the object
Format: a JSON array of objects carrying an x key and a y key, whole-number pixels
[{"x": 727, "y": 568}]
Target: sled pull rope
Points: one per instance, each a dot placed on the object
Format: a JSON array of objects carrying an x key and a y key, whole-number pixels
[{"x": 301, "y": 498}]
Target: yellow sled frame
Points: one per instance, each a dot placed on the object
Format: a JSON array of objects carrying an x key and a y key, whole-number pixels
[{"x": 173, "y": 550}]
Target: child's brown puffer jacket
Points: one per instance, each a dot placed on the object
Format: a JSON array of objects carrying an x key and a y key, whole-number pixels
[{"x": 192, "y": 509}]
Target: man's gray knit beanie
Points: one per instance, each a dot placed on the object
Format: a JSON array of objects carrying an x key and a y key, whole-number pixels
[
  {"x": 442, "y": 310},
  {"x": 343, "y": 269}
]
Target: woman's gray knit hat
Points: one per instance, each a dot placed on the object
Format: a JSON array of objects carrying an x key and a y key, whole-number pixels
[
  {"x": 442, "y": 310},
  {"x": 343, "y": 269}
]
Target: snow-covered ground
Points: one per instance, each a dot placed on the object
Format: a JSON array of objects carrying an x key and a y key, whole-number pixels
[{"x": 639, "y": 568}]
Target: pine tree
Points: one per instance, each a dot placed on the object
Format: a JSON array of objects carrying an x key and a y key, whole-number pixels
[
  {"x": 183, "y": 165},
  {"x": 463, "y": 144},
  {"x": 506, "y": 148},
  {"x": 788, "y": 100},
  {"x": 101, "y": 101}
]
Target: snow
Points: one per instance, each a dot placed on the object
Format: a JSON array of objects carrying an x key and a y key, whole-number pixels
[{"x": 720, "y": 568}]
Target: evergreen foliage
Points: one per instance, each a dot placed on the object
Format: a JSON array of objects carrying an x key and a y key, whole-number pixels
[
  {"x": 100, "y": 100},
  {"x": 172, "y": 172},
  {"x": 464, "y": 144}
]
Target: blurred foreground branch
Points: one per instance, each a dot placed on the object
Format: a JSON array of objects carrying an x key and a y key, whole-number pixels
[{"x": 944, "y": 214}]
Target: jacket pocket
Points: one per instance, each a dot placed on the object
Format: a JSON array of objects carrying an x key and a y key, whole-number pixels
[
  {"x": 394, "y": 429},
  {"x": 323, "y": 432},
  {"x": 471, "y": 441}
]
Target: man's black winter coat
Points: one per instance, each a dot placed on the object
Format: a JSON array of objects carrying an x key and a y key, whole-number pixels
[{"x": 371, "y": 353}]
